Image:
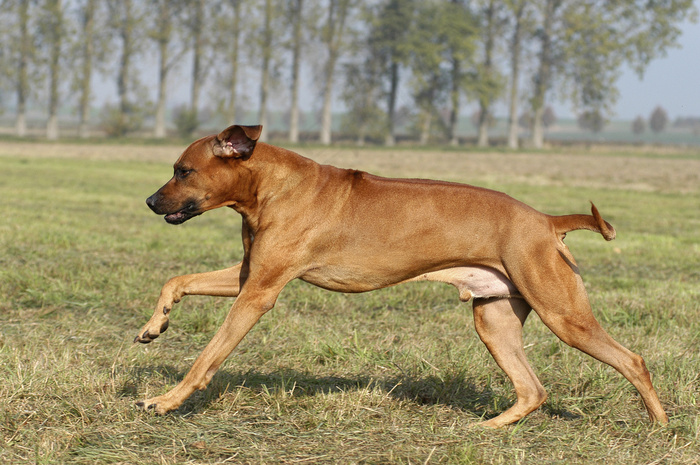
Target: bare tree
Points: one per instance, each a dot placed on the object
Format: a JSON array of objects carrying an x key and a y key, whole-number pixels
[
  {"x": 544, "y": 72},
  {"x": 459, "y": 26},
  {"x": 196, "y": 22},
  {"x": 518, "y": 13},
  {"x": 53, "y": 34},
  {"x": 126, "y": 22},
  {"x": 266, "y": 46},
  {"x": 229, "y": 19},
  {"x": 86, "y": 59},
  {"x": 296, "y": 18},
  {"x": 487, "y": 75},
  {"x": 164, "y": 13},
  {"x": 338, "y": 11},
  {"x": 25, "y": 51}
]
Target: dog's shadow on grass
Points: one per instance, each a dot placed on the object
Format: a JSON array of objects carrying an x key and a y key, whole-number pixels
[{"x": 459, "y": 392}]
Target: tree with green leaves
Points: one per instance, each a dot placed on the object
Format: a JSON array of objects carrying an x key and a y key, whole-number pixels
[
  {"x": 460, "y": 28},
  {"x": 442, "y": 44},
  {"x": 390, "y": 27},
  {"x": 429, "y": 77},
  {"x": 583, "y": 45}
]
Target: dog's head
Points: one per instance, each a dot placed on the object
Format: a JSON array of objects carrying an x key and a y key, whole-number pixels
[{"x": 204, "y": 176}]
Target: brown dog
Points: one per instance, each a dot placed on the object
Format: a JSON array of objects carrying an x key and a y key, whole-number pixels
[{"x": 349, "y": 231}]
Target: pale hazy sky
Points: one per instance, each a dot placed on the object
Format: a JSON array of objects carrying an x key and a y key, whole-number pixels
[{"x": 672, "y": 82}]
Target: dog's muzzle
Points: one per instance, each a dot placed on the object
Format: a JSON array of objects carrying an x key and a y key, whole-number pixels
[{"x": 173, "y": 215}]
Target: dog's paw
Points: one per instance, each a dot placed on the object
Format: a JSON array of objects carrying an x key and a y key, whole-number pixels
[
  {"x": 148, "y": 333},
  {"x": 157, "y": 405}
]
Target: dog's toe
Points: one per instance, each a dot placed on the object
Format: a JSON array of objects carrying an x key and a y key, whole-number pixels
[{"x": 147, "y": 337}]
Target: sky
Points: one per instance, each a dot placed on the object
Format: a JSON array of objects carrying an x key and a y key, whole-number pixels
[{"x": 673, "y": 82}]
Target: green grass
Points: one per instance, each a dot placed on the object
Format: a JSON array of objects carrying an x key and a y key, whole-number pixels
[{"x": 394, "y": 376}]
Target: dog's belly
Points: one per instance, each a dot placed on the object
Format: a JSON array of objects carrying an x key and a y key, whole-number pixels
[{"x": 470, "y": 281}]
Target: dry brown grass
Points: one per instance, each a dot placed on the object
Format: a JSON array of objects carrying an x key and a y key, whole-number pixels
[{"x": 633, "y": 168}]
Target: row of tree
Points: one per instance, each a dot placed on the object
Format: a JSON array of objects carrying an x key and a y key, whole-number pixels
[{"x": 442, "y": 54}]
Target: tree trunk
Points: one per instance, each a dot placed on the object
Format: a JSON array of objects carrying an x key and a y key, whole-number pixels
[
  {"x": 390, "y": 139},
  {"x": 454, "y": 98},
  {"x": 296, "y": 63},
  {"x": 197, "y": 50},
  {"x": 265, "y": 69},
  {"x": 515, "y": 75},
  {"x": 159, "y": 131},
  {"x": 86, "y": 74},
  {"x": 56, "y": 35},
  {"x": 485, "y": 100},
  {"x": 233, "y": 54},
  {"x": 164, "y": 25},
  {"x": 125, "y": 32},
  {"x": 23, "y": 69},
  {"x": 543, "y": 74},
  {"x": 337, "y": 13},
  {"x": 425, "y": 128}
]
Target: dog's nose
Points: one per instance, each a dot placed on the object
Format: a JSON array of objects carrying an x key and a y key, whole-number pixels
[{"x": 151, "y": 202}]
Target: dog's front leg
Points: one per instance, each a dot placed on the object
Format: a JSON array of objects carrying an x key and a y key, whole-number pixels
[
  {"x": 222, "y": 283},
  {"x": 251, "y": 304}
]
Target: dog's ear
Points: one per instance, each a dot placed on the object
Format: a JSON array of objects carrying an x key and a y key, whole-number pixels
[{"x": 237, "y": 141}]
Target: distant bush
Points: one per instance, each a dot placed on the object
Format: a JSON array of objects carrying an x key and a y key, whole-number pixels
[
  {"x": 117, "y": 123},
  {"x": 592, "y": 121},
  {"x": 639, "y": 125},
  {"x": 186, "y": 121},
  {"x": 658, "y": 120}
]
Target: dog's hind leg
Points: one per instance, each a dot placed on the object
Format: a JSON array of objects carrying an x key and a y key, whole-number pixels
[
  {"x": 556, "y": 292},
  {"x": 499, "y": 323}
]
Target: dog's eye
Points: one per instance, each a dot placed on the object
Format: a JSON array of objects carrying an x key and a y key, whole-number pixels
[{"x": 182, "y": 174}]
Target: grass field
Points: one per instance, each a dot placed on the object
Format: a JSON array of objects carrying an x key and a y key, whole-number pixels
[{"x": 394, "y": 376}]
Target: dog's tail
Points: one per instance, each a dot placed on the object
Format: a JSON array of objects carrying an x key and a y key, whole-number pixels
[{"x": 566, "y": 223}]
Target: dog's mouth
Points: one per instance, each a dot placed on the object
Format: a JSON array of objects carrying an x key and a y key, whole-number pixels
[{"x": 183, "y": 215}]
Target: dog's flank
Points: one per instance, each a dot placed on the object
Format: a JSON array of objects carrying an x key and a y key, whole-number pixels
[{"x": 350, "y": 231}]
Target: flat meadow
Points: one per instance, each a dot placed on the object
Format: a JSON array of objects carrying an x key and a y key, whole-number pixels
[{"x": 394, "y": 376}]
